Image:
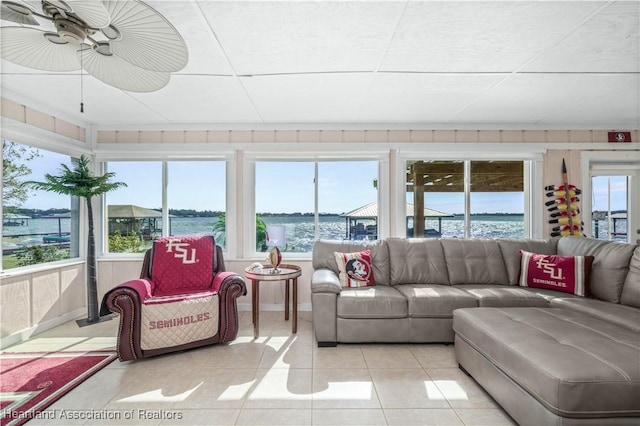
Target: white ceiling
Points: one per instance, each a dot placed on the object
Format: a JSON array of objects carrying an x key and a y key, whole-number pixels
[{"x": 430, "y": 64}]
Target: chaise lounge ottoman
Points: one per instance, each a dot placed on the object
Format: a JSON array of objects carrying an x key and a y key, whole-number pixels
[{"x": 552, "y": 365}]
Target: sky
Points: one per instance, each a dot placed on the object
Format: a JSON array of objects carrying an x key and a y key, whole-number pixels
[{"x": 281, "y": 187}]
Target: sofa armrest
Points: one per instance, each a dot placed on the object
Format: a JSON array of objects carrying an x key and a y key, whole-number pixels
[{"x": 325, "y": 281}]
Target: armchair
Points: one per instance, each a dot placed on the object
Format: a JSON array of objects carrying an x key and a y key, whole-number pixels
[{"x": 183, "y": 299}]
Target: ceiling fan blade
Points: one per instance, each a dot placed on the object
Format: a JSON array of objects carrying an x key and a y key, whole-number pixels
[
  {"x": 119, "y": 73},
  {"x": 94, "y": 13},
  {"x": 19, "y": 13},
  {"x": 147, "y": 40},
  {"x": 31, "y": 48}
]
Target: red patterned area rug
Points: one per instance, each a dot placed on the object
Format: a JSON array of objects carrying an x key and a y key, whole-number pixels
[{"x": 30, "y": 382}]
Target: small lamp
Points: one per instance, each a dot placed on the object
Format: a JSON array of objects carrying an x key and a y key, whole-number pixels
[{"x": 275, "y": 239}]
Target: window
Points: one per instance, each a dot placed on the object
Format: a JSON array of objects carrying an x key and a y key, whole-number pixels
[
  {"x": 134, "y": 212},
  {"x": 196, "y": 196},
  {"x": 37, "y": 226},
  {"x": 497, "y": 199},
  {"x": 477, "y": 199},
  {"x": 609, "y": 207},
  {"x": 610, "y": 194},
  {"x": 328, "y": 199},
  {"x": 194, "y": 201}
]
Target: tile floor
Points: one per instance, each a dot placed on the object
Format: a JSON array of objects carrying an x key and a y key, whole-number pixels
[{"x": 278, "y": 379}]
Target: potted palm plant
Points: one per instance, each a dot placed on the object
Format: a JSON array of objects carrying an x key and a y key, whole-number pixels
[{"x": 81, "y": 182}]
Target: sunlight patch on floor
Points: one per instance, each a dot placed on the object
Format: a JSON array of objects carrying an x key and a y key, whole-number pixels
[
  {"x": 451, "y": 390},
  {"x": 157, "y": 395}
]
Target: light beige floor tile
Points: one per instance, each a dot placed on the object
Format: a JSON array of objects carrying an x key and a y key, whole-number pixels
[
  {"x": 218, "y": 417},
  {"x": 132, "y": 416},
  {"x": 287, "y": 357},
  {"x": 484, "y": 416},
  {"x": 435, "y": 355},
  {"x": 286, "y": 352},
  {"x": 344, "y": 388},
  {"x": 460, "y": 390},
  {"x": 94, "y": 393},
  {"x": 192, "y": 358},
  {"x": 280, "y": 388},
  {"x": 349, "y": 417},
  {"x": 275, "y": 417},
  {"x": 424, "y": 417},
  {"x": 153, "y": 388},
  {"x": 407, "y": 388},
  {"x": 48, "y": 344},
  {"x": 341, "y": 356},
  {"x": 237, "y": 355},
  {"x": 218, "y": 388},
  {"x": 280, "y": 378},
  {"x": 54, "y": 417},
  {"x": 96, "y": 417},
  {"x": 389, "y": 356}
]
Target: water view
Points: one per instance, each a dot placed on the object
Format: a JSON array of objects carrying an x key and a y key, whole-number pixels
[{"x": 300, "y": 233}]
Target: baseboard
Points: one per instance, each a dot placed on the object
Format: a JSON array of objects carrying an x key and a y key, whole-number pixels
[
  {"x": 276, "y": 307},
  {"x": 27, "y": 333}
]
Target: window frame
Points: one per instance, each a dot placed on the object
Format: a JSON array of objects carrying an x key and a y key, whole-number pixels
[
  {"x": 102, "y": 161},
  {"x": 533, "y": 172},
  {"x": 248, "y": 250},
  {"x": 74, "y": 153},
  {"x": 612, "y": 162}
]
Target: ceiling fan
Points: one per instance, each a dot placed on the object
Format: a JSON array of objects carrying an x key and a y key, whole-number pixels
[{"x": 126, "y": 44}]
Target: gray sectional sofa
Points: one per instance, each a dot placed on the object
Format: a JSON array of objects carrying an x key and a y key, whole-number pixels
[{"x": 547, "y": 357}]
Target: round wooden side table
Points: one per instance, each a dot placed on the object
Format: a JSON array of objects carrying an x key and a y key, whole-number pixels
[{"x": 287, "y": 273}]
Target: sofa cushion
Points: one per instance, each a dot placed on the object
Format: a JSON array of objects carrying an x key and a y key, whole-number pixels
[
  {"x": 567, "y": 274},
  {"x": 371, "y": 302},
  {"x": 624, "y": 316},
  {"x": 510, "y": 249},
  {"x": 323, "y": 256},
  {"x": 355, "y": 268},
  {"x": 610, "y": 265},
  {"x": 474, "y": 261},
  {"x": 432, "y": 300},
  {"x": 504, "y": 296},
  {"x": 417, "y": 261},
  {"x": 631, "y": 290},
  {"x": 574, "y": 364}
]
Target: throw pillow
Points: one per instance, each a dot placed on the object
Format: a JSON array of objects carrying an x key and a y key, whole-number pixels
[
  {"x": 569, "y": 274},
  {"x": 355, "y": 268}
]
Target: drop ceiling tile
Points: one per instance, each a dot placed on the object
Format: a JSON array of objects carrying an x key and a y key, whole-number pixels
[
  {"x": 616, "y": 105},
  {"x": 607, "y": 42},
  {"x": 422, "y": 98},
  {"x": 59, "y": 94},
  {"x": 551, "y": 98},
  {"x": 205, "y": 54},
  {"x": 312, "y": 98},
  {"x": 200, "y": 99},
  {"x": 453, "y": 36},
  {"x": 298, "y": 37}
]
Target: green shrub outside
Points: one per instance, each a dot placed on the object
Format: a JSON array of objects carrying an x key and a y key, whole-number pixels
[
  {"x": 35, "y": 255},
  {"x": 119, "y": 243}
]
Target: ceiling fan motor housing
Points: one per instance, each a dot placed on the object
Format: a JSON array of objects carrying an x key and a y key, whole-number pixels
[{"x": 70, "y": 31}]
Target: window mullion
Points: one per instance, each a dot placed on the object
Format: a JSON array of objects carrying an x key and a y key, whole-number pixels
[{"x": 467, "y": 199}]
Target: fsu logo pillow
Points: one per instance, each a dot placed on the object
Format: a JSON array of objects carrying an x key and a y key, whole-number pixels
[
  {"x": 569, "y": 274},
  {"x": 355, "y": 269}
]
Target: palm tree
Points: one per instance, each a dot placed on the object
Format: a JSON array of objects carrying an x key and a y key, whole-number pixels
[
  {"x": 220, "y": 227},
  {"x": 80, "y": 182}
]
